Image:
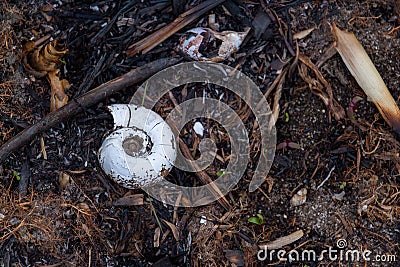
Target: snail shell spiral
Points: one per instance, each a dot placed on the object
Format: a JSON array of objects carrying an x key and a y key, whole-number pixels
[{"x": 140, "y": 149}]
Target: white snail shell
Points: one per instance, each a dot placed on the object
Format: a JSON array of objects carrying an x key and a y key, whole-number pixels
[{"x": 141, "y": 148}]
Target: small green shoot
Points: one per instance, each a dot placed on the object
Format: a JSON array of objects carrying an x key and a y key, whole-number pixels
[
  {"x": 16, "y": 175},
  {"x": 286, "y": 117},
  {"x": 342, "y": 185},
  {"x": 221, "y": 172},
  {"x": 259, "y": 219}
]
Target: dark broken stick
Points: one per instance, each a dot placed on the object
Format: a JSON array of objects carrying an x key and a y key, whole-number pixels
[{"x": 77, "y": 105}]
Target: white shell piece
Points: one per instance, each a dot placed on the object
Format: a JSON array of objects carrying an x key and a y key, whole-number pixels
[
  {"x": 203, "y": 220},
  {"x": 191, "y": 45},
  {"x": 134, "y": 116},
  {"x": 157, "y": 152},
  {"x": 299, "y": 198},
  {"x": 231, "y": 41},
  {"x": 198, "y": 128}
]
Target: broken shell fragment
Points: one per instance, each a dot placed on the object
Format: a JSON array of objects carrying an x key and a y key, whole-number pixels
[
  {"x": 141, "y": 148},
  {"x": 299, "y": 198},
  {"x": 193, "y": 39}
]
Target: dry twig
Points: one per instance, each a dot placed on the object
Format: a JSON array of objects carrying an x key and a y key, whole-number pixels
[{"x": 76, "y": 106}]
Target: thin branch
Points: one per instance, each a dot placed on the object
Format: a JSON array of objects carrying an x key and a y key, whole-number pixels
[{"x": 88, "y": 99}]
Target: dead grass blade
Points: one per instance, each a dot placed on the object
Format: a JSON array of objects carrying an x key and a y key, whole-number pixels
[{"x": 363, "y": 70}]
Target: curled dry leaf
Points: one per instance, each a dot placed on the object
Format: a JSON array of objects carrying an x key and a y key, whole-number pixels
[
  {"x": 38, "y": 61},
  {"x": 43, "y": 60},
  {"x": 191, "y": 43},
  {"x": 363, "y": 70}
]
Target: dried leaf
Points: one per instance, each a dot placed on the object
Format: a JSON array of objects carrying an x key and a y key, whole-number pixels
[
  {"x": 231, "y": 42},
  {"x": 43, "y": 60},
  {"x": 260, "y": 23},
  {"x": 174, "y": 231},
  {"x": 191, "y": 45},
  {"x": 40, "y": 60},
  {"x": 58, "y": 98},
  {"x": 363, "y": 70},
  {"x": 64, "y": 179},
  {"x": 43, "y": 148}
]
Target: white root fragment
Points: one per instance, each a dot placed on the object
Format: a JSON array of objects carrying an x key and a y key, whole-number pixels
[
  {"x": 140, "y": 150},
  {"x": 367, "y": 76}
]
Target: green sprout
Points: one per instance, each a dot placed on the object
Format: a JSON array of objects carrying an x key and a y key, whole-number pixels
[
  {"x": 259, "y": 219},
  {"x": 342, "y": 185},
  {"x": 286, "y": 117},
  {"x": 222, "y": 172},
  {"x": 16, "y": 175}
]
